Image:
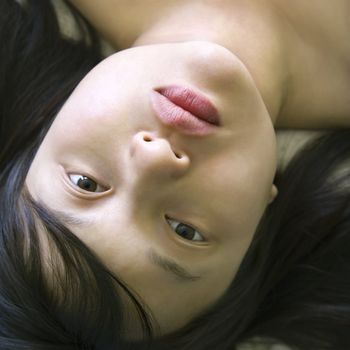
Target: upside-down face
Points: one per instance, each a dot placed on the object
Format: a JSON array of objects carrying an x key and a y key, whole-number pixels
[{"x": 169, "y": 203}]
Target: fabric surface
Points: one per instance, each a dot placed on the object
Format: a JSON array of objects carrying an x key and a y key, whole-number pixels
[{"x": 262, "y": 347}]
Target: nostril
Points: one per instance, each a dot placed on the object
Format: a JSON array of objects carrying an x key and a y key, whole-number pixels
[
  {"x": 147, "y": 138},
  {"x": 177, "y": 155}
]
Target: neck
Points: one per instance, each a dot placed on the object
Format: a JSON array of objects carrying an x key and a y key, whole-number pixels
[{"x": 250, "y": 30}]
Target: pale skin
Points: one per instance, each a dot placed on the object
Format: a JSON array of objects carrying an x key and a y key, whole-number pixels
[
  {"x": 147, "y": 178},
  {"x": 298, "y": 52}
]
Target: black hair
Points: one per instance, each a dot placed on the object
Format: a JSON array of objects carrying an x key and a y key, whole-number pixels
[
  {"x": 292, "y": 286},
  {"x": 307, "y": 302},
  {"x": 79, "y": 307}
]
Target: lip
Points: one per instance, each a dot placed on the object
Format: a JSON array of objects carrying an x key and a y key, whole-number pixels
[{"x": 184, "y": 109}]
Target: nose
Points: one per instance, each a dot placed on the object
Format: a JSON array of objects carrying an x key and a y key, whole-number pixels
[{"x": 156, "y": 158}]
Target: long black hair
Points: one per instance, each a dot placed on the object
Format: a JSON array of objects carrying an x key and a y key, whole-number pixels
[
  {"x": 292, "y": 286},
  {"x": 78, "y": 306}
]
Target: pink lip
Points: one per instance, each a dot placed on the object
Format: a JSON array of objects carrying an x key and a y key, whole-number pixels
[{"x": 185, "y": 110}]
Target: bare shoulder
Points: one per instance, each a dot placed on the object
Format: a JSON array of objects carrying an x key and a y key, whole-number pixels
[
  {"x": 319, "y": 57},
  {"x": 122, "y": 21}
]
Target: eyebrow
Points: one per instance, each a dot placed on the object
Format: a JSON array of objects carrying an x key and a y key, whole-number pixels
[
  {"x": 171, "y": 266},
  {"x": 70, "y": 219},
  {"x": 165, "y": 263}
]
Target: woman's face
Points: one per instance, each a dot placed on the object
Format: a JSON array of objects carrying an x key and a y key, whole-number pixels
[{"x": 171, "y": 213}]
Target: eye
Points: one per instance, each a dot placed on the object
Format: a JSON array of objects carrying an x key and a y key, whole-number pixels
[
  {"x": 87, "y": 184},
  {"x": 185, "y": 231}
]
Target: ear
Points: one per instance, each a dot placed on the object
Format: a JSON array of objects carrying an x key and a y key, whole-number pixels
[{"x": 273, "y": 193}]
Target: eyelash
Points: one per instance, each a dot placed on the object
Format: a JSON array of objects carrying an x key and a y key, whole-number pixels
[
  {"x": 79, "y": 177},
  {"x": 174, "y": 224}
]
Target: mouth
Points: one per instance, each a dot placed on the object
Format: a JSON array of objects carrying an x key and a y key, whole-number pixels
[{"x": 186, "y": 110}]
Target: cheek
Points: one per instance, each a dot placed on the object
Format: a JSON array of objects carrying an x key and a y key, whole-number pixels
[{"x": 239, "y": 194}]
